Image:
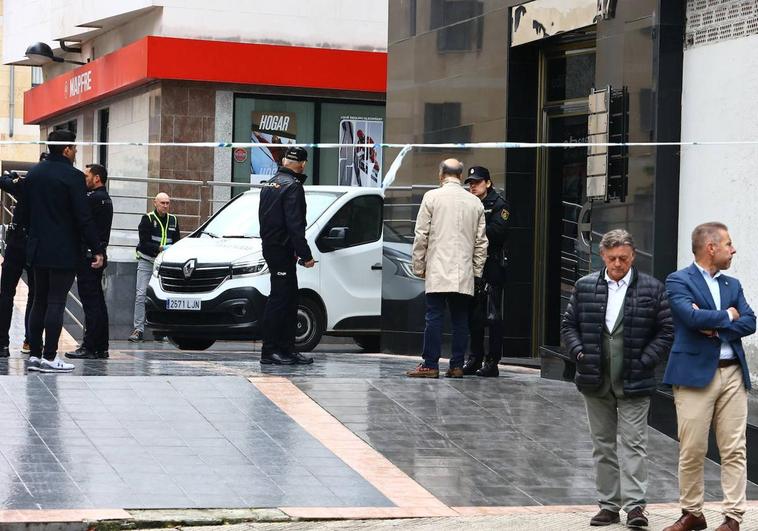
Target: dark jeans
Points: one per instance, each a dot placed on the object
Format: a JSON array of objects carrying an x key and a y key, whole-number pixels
[
  {"x": 279, "y": 323},
  {"x": 51, "y": 289},
  {"x": 90, "y": 284},
  {"x": 435, "y": 312},
  {"x": 478, "y": 322},
  {"x": 13, "y": 267}
]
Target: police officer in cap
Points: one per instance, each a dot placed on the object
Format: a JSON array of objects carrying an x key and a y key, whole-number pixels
[
  {"x": 14, "y": 262},
  {"x": 282, "y": 220},
  {"x": 89, "y": 280},
  {"x": 488, "y": 300}
]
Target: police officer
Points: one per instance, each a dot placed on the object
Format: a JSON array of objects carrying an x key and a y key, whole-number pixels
[
  {"x": 282, "y": 220},
  {"x": 157, "y": 231},
  {"x": 90, "y": 281},
  {"x": 14, "y": 263},
  {"x": 488, "y": 301}
]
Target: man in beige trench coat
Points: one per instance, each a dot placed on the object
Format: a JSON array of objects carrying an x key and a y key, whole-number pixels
[{"x": 449, "y": 251}]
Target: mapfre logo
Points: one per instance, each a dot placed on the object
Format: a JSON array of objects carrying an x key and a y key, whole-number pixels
[{"x": 79, "y": 84}]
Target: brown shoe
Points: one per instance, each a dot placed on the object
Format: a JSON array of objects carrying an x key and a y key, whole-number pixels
[
  {"x": 605, "y": 517},
  {"x": 636, "y": 518},
  {"x": 454, "y": 372},
  {"x": 730, "y": 524},
  {"x": 423, "y": 372},
  {"x": 688, "y": 522}
]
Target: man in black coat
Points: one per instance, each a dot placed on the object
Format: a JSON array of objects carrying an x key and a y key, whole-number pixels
[
  {"x": 617, "y": 327},
  {"x": 89, "y": 280},
  {"x": 487, "y": 311},
  {"x": 14, "y": 263},
  {"x": 282, "y": 219},
  {"x": 59, "y": 219}
]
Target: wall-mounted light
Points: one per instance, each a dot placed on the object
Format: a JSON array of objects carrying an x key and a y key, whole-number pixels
[{"x": 41, "y": 54}]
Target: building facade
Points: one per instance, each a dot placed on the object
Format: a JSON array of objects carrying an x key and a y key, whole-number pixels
[
  {"x": 717, "y": 182},
  {"x": 541, "y": 71},
  {"x": 178, "y": 71}
]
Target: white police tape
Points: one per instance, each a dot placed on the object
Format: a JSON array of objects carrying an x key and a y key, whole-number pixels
[{"x": 450, "y": 145}]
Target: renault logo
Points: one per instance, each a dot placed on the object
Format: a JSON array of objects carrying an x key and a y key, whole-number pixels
[{"x": 189, "y": 267}]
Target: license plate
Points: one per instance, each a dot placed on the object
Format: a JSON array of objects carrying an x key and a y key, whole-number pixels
[{"x": 183, "y": 304}]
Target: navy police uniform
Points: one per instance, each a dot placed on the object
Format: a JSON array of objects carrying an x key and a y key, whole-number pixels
[
  {"x": 281, "y": 214},
  {"x": 488, "y": 301},
  {"x": 90, "y": 281},
  {"x": 14, "y": 261}
]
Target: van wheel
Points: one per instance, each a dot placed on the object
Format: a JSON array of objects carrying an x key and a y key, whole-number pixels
[
  {"x": 369, "y": 343},
  {"x": 191, "y": 343},
  {"x": 311, "y": 324}
]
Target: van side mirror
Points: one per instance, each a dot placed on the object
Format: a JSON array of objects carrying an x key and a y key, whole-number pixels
[{"x": 335, "y": 239}]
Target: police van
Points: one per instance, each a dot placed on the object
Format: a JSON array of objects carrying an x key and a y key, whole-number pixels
[{"x": 213, "y": 284}]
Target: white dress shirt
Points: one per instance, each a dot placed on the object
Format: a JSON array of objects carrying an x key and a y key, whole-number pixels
[
  {"x": 726, "y": 353},
  {"x": 616, "y": 295}
]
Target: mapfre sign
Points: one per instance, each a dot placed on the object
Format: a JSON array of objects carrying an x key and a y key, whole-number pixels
[
  {"x": 79, "y": 84},
  {"x": 153, "y": 58}
]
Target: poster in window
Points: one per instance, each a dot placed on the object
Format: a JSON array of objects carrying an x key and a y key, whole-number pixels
[
  {"x": 270, "y": 127},
  {"x": 360, "y": 165}
]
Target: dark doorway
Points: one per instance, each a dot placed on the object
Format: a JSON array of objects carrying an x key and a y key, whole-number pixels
[{"x": 563, "y": 214}]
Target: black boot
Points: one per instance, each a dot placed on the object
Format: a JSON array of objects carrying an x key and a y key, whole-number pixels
[
  {"x": 489, "y": 369},
  {"x": 472, "y": 365}
]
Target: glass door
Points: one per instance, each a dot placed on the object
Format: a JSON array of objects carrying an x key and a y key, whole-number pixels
[{"x": 562, "y": 210}]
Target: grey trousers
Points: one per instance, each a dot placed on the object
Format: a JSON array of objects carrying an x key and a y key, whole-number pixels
[
  {"x": 144, "y": 271},
  {"x": 619, "y": 438}
]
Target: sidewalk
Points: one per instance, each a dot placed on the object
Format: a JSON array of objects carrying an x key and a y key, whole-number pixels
[{"x": 346, "y": 438}]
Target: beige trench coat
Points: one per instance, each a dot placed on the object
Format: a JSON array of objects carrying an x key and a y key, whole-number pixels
[{"x": 450, "y": 245}]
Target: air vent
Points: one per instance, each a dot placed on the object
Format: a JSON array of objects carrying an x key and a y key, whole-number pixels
[{"x": 710, "y": 21}]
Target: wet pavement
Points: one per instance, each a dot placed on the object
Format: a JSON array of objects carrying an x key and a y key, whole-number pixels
[{"x": 154, "y": 427}]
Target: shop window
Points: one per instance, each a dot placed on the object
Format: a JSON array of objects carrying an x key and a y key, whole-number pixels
[{"x": 282, "y": 121}]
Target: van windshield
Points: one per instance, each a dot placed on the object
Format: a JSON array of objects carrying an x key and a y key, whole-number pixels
[{"x": 240, "y": 217}]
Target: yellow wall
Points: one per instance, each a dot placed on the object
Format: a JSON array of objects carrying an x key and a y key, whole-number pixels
[{"x": 23, "y": 82}]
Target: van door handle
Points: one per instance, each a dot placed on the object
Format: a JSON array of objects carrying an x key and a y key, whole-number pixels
[{"x": 376, "y": 267}]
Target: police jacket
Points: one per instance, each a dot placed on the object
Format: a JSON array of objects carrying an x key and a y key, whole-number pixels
[
  {"x": 156, "y": 232},
  {"x": 58, "y": 215},
  {"x": 281, "y": 214},
  {"x": 496, "y": 216},
  {"x": 14, "y": 185},
  {"x": 102, "y": 210},
  {"x": 648, "y": 331}
]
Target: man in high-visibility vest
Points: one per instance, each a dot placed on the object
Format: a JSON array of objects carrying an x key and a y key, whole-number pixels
[{"x": 157, "y": 231}]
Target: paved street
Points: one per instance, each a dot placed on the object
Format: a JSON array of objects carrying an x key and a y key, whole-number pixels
[
  {"x": 153, "y": 427},
  {"x": 348, "y": 437}
]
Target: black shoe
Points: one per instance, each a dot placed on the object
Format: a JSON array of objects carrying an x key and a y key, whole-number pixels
[
  {"x": 136, "y": 336},
  {"x": 4, "y": 352},
  {"x": 605, "y": 517},
  {"x": 636, "y": 518},
  {"x": 300, "y": 359},
  {"x": 277, "y": 358},
  {"x": 488, "y": 370},
  {"x": 471, "y": 366},
  {"x": 82, "y": 354},
  {"x": 102, "y": 354}
]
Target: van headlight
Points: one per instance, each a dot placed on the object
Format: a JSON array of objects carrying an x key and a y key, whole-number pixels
[
  {"x": 249, "y": 269},
  {"x": 405, "y": 268},
  {"x": 157, "y": 264}
]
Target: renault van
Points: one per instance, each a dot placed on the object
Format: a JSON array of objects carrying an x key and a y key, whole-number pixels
[{"x": 213, "y": 284}]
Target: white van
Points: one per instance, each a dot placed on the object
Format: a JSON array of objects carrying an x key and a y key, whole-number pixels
[{"x": 213, "y": 284}]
